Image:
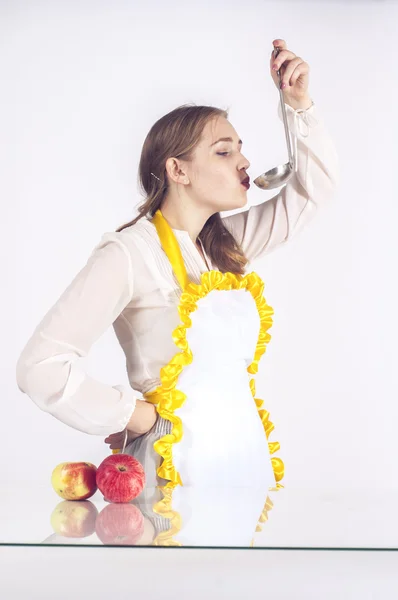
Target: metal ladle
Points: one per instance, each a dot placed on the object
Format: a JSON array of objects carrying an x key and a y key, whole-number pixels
[{"x": 278, "y": 176}]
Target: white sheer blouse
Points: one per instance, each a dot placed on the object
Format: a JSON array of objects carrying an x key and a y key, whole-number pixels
[{"x": 128, "y": 282}]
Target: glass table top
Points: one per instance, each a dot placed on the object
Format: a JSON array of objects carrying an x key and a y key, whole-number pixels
[{"x": 234, "y": 517}]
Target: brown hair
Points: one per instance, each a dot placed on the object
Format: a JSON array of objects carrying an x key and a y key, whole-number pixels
[{"x": 176, "y": 135}]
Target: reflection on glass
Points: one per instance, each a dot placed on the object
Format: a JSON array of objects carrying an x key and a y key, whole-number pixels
[{"x": 164, "y": 516}]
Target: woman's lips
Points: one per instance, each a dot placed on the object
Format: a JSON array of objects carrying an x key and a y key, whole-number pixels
[{"x": 246, "y": 185}]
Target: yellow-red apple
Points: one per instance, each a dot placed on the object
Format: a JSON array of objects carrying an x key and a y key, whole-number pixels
[{"x": 74, "y": 480}]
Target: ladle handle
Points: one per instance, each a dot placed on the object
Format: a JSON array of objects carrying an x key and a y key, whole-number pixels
[{"x": 289, "y": 149}]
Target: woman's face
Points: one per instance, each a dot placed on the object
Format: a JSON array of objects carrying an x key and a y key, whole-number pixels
[{"x": 218, "y": 168}]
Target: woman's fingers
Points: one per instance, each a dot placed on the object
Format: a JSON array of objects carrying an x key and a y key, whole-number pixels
[
  {"x": 291, "y": 68},
  {"x": 281, "y": 58},
  {"x": 116, "y": 444},
  {"x": 302, "y": 69},
  {"x": 280, "y": 43},
  {"x": 115, "y": 437}
]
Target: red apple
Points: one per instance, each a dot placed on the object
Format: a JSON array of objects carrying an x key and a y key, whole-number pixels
[
  {"x": 120, "y": 477},
  {"x": 74, "y": 480},
  {"x": 74, "y": 519},
  {"x": 121, "y": 524}
]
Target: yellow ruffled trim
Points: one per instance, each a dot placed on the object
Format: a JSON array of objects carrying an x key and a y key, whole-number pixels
[
  {"x": 164, "y": 509},
  {"x": 168, "y": 398}
]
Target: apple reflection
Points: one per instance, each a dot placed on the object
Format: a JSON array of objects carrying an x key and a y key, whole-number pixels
[
  {"x": 117, "y": 524},
  {"x": 74, "y": 518},
  {"x": 120, "y": 524}
]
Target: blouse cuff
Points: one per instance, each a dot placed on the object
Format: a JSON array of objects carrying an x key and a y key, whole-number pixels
[
  {"x": 96, "y": 415},
  {"x": 300, "y": 121},
  {"x": 130, "y": 403}
]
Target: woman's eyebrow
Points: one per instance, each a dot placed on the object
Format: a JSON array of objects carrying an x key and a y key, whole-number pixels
[{"x": 226, "y": 139}]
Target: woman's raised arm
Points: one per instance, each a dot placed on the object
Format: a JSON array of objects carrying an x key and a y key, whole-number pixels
[{"x": 264, "y": 227}]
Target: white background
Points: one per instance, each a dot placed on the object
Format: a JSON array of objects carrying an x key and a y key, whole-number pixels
[
  {"x": 83, "y": 82},
  {"x": 121, "y": 573}
]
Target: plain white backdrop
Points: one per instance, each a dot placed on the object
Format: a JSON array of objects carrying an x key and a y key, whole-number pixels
[{"x": 83, "y": 82}]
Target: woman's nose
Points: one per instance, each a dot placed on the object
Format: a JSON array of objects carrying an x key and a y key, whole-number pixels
[{"x": 246, "y": 164}]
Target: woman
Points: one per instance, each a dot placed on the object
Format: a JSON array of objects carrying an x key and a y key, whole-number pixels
[{"x": 174, "y": 284}]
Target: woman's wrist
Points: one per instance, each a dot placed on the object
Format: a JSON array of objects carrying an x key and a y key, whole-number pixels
[
  {"x": 142, "y": 419},
  {"x": 303, "y": 103}
]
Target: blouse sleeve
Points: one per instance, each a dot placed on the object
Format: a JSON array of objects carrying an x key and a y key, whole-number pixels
[
  {"x": 265, "y": 226},
  {"x": 48, "y": 369}
]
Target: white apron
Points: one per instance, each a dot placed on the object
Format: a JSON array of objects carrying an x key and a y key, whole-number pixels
[{"x": 210, "y": 443}]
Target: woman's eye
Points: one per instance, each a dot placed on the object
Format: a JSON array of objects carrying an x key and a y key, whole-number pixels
[{"x": 222, "y": 153}]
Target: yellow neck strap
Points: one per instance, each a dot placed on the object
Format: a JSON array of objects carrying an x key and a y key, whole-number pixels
[{"x": 171, "y": 247}]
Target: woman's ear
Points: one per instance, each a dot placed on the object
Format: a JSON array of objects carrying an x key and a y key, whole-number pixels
[{"x": 176, "y": 171}]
